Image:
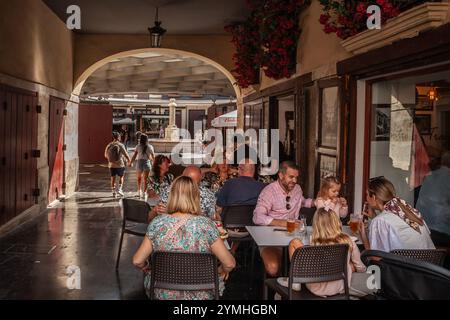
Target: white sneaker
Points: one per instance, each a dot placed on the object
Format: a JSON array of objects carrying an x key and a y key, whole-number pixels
[
  {"x": 284, "y": 281},
  {"x": 120, "y": 192},
  {"x": 138, "y": 194}
]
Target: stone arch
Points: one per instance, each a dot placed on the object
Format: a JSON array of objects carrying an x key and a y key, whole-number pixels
[{"x": 90, "y": 70}]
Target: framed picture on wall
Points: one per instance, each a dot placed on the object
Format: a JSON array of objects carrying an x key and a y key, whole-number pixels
[
  {"x": 382, "y": 122},
  {"x": 424, "y": 104},
  {"x": 423, "y": 124},
  {"x": 327, "y": 166},
  {"x": 329, "y": 117}
]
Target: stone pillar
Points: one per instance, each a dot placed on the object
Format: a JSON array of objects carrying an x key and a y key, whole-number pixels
[{"x": 172, "y": 132}]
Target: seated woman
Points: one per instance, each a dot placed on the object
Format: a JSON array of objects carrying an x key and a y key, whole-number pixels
[
  {"x": 183, "y": 229},
  {"x": 217, "y": 175},
  {"x": 327, "y": 229},
  {"x": 398, "y": 226},
  {"x": 161, "y": 178}
]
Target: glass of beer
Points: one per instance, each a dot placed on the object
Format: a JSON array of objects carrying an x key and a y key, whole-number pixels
[
  {"x": 354, "y": 223},
  {"x": 291, "y": 225}
]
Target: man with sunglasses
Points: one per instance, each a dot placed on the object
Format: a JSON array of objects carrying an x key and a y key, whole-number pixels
[{"x": 278, "y": 202}]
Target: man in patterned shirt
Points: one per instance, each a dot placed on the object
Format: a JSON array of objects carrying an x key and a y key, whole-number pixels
[{"x": 207, "y": 198}]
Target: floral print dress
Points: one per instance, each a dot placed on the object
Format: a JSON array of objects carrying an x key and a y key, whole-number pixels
[
  {"x": 187, "y": 234},
  {"x": 158, "y": 186}
]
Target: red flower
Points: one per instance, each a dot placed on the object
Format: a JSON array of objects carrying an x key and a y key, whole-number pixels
[{"x": 324, "y": 18}]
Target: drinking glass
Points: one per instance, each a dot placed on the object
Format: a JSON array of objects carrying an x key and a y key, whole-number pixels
[
  {"x": 354, "y": 223},
  {"x": 291, "y": 225}
]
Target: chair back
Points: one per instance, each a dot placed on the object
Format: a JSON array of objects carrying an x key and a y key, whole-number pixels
[
  {"x": 184, "y": 271},
  {"x": 407, "y": 279},
  {"x": 135, "y": 210},
  {"x": 435, "y": 256},
  {"x": 313, "y": 264},
  {"x": 238, "y": 216}
]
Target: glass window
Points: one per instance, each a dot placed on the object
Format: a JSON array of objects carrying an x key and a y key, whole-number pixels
[{"x": 410, "y": 139}]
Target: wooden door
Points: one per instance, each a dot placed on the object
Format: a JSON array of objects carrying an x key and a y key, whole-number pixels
[
  {"x": 178, "y": 118},
  {"x": 328, "y": 131},
  {"x": 94, "y": 132},
  {"x": 18, "y": 142},
  {"x": 194, "y": 115},
  {"x": 55, "y": 148}
]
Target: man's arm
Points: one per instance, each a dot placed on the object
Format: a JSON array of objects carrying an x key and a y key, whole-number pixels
[
  {"x": 262, "y": 210},
  {"x": 125, "y": 153}
]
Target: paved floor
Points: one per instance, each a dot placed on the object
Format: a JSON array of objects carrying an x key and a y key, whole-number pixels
[{"x": 84, "y": 231}]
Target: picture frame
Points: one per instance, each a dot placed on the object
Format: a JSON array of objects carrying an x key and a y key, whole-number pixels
[
  {"x": 382, "y": 122},
  {"x": 423, "y": 124},
  {"x": 327, "y": 166},
  {"x": 423, "y": 103},
  {"x": 329, "y": 117}
]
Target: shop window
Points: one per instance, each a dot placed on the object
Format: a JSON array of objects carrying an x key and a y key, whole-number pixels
[{"x": 410, "y": 139}]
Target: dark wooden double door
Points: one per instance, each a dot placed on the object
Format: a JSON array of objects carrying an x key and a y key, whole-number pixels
[{"x": 18, "y": 151}]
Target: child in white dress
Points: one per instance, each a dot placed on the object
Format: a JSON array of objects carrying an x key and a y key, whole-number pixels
[{"x": 328, "y": 197}]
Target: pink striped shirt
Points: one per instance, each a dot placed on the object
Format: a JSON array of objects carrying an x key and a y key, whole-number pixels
[{"x": 272, "y": 204}]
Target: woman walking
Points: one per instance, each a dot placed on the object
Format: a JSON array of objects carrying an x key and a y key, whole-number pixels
[{"x": 145, "y": 157}]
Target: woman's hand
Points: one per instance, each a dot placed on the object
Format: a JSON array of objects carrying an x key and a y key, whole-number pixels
[
  {"x": 363, "y": 235},
  {"x": 161, "y": 208},
  {"x": 152, "y": 194},
  {"x": 223, "y": 274}
]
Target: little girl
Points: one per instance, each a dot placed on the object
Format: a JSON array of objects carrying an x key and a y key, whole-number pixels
[{"x": 329, "y": 199}]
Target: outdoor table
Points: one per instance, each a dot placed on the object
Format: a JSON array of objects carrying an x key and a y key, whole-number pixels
[{"x": 271, "y": 236}]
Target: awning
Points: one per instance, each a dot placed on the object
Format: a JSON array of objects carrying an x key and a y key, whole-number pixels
[
  {"x": 124, "y": 121},
  {"x": 226, "y": 120},
  {"x": 155, "y": 116}
]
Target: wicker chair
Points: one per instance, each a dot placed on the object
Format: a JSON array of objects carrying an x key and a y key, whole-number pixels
[
  {"x": 408, "y": 279},
  {"x": 134, "y": 211},
  {"x": 313, "y": 264},
  {"x": 184, "y": 271},
  {"x": 238, "y": 217},
  {"x": 435, "y": 256}
]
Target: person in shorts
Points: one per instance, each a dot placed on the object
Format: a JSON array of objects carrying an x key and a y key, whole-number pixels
[
  {"x": 145, "y": 156},
  {"x": 115, "y": 152}
]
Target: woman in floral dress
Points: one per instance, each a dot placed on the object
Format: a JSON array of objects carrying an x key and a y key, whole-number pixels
[{"x": 183, "y": 229}]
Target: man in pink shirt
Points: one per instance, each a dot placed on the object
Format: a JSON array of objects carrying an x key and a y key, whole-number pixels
[{"x": 278, "y": 202}]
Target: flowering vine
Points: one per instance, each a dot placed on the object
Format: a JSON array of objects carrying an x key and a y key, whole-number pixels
[
  {"x": 347, "y": 18},
  {"x": 267, "y": 39}
]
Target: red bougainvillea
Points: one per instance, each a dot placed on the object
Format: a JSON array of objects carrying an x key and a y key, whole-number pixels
[
  {"x": 347, "y": 18},
  {"x": 246, "y": 39},
  {"x": 268, "y": 39}
]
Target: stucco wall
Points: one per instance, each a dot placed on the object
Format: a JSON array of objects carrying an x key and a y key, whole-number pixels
[
  {"x": 35, "y": 45},
  {"x": 317, "y": 52},
  {"x": 36, "y": 54}
]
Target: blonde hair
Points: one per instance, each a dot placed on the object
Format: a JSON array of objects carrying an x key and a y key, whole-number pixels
[
  {"x": 327, "y": 229},
  {"x": 184, "y": 196},
  {"x": 326, "y": 185}
]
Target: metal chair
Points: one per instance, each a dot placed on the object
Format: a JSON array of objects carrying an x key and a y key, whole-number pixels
[
  {"x": 238, "y": 217},
  {"x": 313, "y": 264},
  {"x": 435, "y": 256},
  {"x": 135, "y": 211},
  {"x": 408, "y": 279},
  {"x": 184, "y": 271}
]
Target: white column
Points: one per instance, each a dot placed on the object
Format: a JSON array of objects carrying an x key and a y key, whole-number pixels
[{"x": 172, "y": 132}]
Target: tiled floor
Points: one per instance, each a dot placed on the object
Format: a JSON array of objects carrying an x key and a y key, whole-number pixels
[{"x": 84, "y": 231}]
